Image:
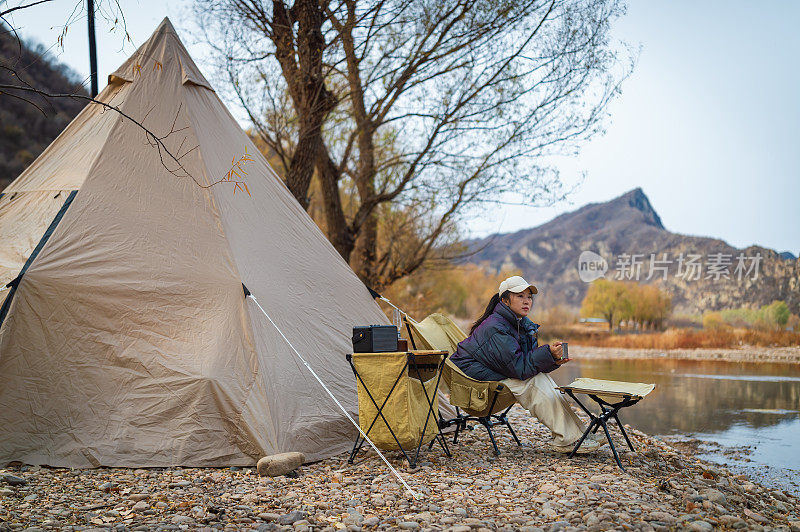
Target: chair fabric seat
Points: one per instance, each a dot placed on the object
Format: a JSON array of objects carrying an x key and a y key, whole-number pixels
[
  {"x": 473, "y": 396},
  {"x": 610, "y": 389}
]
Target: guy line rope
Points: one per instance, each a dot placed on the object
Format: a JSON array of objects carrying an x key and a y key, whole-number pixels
[{"x": 335, "y": 400}]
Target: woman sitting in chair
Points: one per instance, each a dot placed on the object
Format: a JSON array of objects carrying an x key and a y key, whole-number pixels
[{"x": 503, "y": 346}]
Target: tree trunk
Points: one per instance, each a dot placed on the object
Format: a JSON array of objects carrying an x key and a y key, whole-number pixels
[
  {"x": 301, "y": 166},
  {"x": 339, "y": 232},
  {"x": 302, "y": 71},
  {"x": 364, "y": 259}
]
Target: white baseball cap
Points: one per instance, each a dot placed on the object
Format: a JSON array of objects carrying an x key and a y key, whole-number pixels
[{"x": 516, "y": 284}]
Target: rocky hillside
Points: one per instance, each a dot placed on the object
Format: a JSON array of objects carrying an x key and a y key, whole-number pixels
[
  {"x": 700, "y": 273},
  {"x": 29, "y": 122}
]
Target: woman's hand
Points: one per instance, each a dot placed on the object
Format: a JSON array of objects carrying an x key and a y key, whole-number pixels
[{"x": 558, "y": 352}]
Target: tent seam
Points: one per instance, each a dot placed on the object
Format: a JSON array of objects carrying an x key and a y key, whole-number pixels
[{"x": 218, "y": 219}]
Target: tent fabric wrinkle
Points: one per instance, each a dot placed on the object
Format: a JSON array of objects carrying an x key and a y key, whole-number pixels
[{"x": 24, "y": 218}]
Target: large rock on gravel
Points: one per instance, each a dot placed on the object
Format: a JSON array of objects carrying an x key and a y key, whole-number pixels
[
  {"x": 291, "y": 517},
  {"x": 279, "y": 464},
  {"x": 713, "y": 495},
  {"x": 13, "y": 480}
]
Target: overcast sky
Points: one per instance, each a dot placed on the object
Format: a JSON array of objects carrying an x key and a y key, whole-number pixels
[{"x": 708, "y": 124}]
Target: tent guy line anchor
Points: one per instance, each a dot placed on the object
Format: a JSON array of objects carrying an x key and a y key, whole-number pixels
[{"x": 249, "y": 294}]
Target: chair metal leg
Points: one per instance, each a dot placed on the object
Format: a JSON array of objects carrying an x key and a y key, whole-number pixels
[
  {"x": 430, "y": 400},
  {"x": 457, "y": 422},
  {"x": 443, "y": 443},
  {"x": 488, "y": 424},
  {"x": 624, "y": 433},
  {"x": 355, "y": 450},
  {"x": 511, "y": 429},
  {"x": 611, "y": 444},
  {"x": 583, "y": 437}
]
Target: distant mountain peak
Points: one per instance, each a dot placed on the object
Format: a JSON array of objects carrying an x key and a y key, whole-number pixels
[
  {"x": 637, "y": 199},
  {"x": 628, "y": 226}
]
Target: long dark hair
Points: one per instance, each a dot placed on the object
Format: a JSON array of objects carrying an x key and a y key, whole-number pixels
[{"x": 489, "y": 309}]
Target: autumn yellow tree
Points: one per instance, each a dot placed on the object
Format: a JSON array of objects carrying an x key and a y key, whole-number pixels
[
  {"x": 649, "y": 305},
  {"x": 605, "y": 299},
  {"x": 644, "y": 305}
]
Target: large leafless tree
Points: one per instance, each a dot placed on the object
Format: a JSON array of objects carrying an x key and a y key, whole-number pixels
[{"x": 416, "y": 113}]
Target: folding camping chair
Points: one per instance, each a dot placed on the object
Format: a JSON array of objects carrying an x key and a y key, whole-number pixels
[
  {"x": 611, "y": 396},
  {"x": 398, "y": 400},
  {"x": 486, "y": 402}
]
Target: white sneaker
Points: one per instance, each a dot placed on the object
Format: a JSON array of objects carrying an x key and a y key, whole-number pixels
[{"x": 588, "y": 446}]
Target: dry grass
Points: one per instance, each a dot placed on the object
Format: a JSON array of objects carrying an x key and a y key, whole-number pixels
[
  {"x": 771, "y": 338},
  {"x": 725, "y": 337}
]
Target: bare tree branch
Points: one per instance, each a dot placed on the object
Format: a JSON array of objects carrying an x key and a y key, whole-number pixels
[
  {"x": 165, "y": 155},
  {"x": 23, "y": 6}
]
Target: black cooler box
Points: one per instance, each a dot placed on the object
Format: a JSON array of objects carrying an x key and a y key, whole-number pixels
[{"x": 375, "y": 339}]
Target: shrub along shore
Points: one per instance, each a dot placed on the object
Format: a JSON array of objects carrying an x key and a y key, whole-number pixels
[
  {"x": 745, "y": 353},
  {"x": 675, "y": 338},
  {"x": 528, "y": 488}
]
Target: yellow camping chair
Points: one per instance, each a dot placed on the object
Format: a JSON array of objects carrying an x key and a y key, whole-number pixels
[{"x": 486, "y": 402}]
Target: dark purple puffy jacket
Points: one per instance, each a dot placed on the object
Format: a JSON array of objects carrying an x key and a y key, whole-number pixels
[{"x": 503, "y": 346}]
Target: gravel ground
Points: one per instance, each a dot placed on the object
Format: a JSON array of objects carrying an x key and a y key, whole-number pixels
[
  {"x": 527, "y": 488},
  {"x": 741, "y": 354}
]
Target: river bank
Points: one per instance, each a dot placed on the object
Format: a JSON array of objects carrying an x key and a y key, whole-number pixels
[
  {"x": 746, "y": 414},
  {"x": 740, "y": 354},
  {"x": 527, "y": 488}
]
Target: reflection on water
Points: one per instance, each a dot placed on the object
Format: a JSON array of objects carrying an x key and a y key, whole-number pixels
[{"x": 731, "y": 403}]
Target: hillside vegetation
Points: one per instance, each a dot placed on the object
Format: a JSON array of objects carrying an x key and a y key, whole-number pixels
[{"x": 29, "y": 122}]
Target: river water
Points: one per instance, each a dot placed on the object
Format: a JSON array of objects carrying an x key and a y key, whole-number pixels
[{"x": 747, "y": 415}]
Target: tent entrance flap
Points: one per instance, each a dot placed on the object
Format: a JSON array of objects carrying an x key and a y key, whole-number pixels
[{"x": 42, "y": 241}]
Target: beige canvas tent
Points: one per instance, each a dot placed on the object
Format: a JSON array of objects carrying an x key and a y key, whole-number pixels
[{"x": 126, "y": 339}]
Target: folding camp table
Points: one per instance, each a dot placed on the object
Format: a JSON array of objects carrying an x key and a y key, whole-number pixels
[
  {"x": 398, "y": 400},
  {"x": 611, "y": 396}
]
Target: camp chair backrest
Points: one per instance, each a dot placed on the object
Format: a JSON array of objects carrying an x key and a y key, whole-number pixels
[
  {"x": 473, "y": 396},
  {"x": 437, "y": 331}
]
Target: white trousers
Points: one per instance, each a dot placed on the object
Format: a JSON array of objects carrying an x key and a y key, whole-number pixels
[{"x": 540, "y": 397}]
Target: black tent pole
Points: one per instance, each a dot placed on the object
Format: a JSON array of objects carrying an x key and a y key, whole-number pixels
[{"x": 92, "y": 47}]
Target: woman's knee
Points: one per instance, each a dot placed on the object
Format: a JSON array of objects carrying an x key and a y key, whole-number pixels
[{"x": 547, "y": 400}]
